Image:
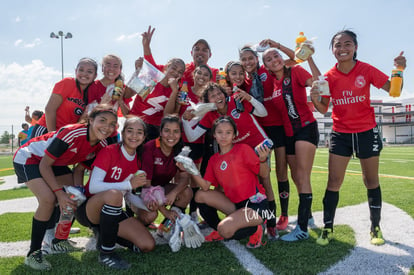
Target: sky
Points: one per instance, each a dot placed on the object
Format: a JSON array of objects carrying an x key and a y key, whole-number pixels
[{"x": 30, "y": 61}]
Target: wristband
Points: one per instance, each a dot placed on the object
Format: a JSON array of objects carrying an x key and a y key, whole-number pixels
[
  {"x": 263, "y": 161},
  {"x": 56, "y": 190}
]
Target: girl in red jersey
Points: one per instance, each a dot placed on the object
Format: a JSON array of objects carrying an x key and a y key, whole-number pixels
[
  {"x": 42, "y": 164},
  {"x": 113, "y": 175},
  {"x": 151, "y": 109},
  {"x": 202, "y": 76},
  {"x": 159, "y": 164},
  {"x": 112, "y": 72},
  {"x": 68, "y": 99},
  {"x": 238, "y": 194},
  {"x": 259, "y": 83},
  {"x": 300, "y": 127},
  {"x": 354, "y": 128}
]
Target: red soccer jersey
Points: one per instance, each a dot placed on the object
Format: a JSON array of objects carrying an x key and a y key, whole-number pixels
[
  {"x": 69, "y": 145},
  {"x": 72, "y": 106},
  {"x": 160, "y": 168},
  {"x": 249, "y": 130},
  {"x": 117, "y": 167},
  {"x": 293, "y": 106},
  {"x": 236, "y": 172},
  {"x": 151, "y": 109},
  {"x": 350, "y": 96}
]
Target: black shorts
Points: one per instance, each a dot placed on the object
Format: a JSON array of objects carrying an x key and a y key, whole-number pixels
[
  {"x": 38, "y": 130},
  {"x": 365, "y": 144},
  {"x": 309, "y": 133},
  {"x": 197, "y": 151},
  {"x": 82, "y": 218},
  {"x": 277, "y": 135},
  {"x": 261, "y": 208},
  {"x": 25, "y": 173}
]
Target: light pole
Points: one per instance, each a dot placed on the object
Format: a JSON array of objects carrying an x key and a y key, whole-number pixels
[{"x": 61, "y": 35}]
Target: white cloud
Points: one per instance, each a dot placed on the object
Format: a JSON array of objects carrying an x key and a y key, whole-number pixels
[
  {"x": 17, "y": 19},
  {"x": 128, "y": 36},
  {"x": 18, "y": 42},
  {"x": 21, "y": 43},
  {"x": 35, "y": 42},
  {"x": 29, "y": 84}
]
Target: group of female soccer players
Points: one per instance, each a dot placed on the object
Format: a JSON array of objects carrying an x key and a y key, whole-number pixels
[{"x": 256, "y": 109}]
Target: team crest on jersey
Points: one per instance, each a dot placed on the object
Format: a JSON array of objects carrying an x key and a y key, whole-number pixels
[
  {"x": 223, "y": 165},
  {"x": 158, "y": 161},
  {"x": 90, "y": 156},
  {"x": 263, "y": 77},
  {"x": 360, "y": 81},
  {"x": 235, "y": 114},
  {"x": 78, "y": 111},
  {"x": 286, "y": 81}
]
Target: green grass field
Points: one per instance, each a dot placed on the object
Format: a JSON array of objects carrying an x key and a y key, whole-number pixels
[{"x": 397, "y": 183}]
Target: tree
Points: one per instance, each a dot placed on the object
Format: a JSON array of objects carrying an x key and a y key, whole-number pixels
[{"x": 5, "y": 138}]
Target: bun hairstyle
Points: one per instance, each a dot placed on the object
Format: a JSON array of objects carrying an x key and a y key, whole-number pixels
[{"x": 350, "y": 34}]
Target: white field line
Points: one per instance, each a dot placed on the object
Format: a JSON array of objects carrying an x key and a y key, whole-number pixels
[
  {"x": 359, "y": 172},
  {"x": 249, "y": 262}
]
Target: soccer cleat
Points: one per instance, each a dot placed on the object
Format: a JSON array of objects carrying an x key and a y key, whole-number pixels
[
  {"x": 74, "y": 230},
  {"x": 112, "y": 260},
  {"x": 272, "y": 233},
  {"x": 296, "y": 235},
  {"x": 64, "y": 246},
  {"x": 376, "y": 237},
  {"x": 214, "y": 236},
  {"x": 282, "y": 223},
  {"x": 326, "y": 236},
  {"x": 36, "y": 261},
  {"x": 255, "y": 240}
]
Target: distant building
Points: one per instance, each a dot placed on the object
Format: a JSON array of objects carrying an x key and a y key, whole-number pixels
[{"x": 395, "y": 120}]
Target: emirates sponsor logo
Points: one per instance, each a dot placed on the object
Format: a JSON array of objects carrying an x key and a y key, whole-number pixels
[{"x": 348, "y": 98}]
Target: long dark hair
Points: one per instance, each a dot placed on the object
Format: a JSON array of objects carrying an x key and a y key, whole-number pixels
[
  {"x": 350, "y": 34},
  {"x": 130, "y": 120},
  {"x": 173, "y": 118}
]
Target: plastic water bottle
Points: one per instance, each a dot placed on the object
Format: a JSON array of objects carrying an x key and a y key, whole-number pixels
[
  {"x": 65, "y": 220},
  {"x": 303, "y": 49},
  {"x": 239, "y": 104},
  {"x": 396, "y": 82},
  {"x": 221, "y": 78},
  {"x": 183, "y": 94}
]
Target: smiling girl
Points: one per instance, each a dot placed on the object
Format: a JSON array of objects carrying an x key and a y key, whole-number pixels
[
  {"x": 354, "y": 128},
  {"x": 68, "y": 99},
  {"x": 234, "y": 172},
  {"x": 42, "y": 163},
  {"x": 113, "y": 175}
]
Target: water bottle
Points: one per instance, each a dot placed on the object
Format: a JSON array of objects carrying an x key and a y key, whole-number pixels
[
  {"x": 183, "y": 94},
  {"x": 303, "y": 48},
  {"x": 65, "y": 220},
  {"x": 239, "y": 104},
  {"x": 221, "y": 78},
  {"x": 396, "y": 82}
]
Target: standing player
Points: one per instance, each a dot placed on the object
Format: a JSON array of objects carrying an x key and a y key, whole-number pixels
[
  {"x": 42, "y": 164},
  {"x": 112, "y": 175},
  {"x": 354, "y": 128},
  {"x": 68, "y": 99},
  {"x": 300, "y": 127}
]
